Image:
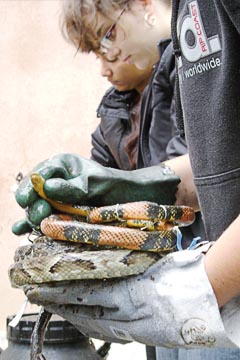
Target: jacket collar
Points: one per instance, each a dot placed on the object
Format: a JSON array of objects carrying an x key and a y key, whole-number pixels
[{"x": 162, "y": 45}]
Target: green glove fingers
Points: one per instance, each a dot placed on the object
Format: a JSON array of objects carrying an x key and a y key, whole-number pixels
[
  {"x": 36, "y": 212},
  {"x": 71, "y": 191},
  {"x": 62, "y": 166},
  {"x": 21, "y": 227},
  {"x": 25, "y": 194}
]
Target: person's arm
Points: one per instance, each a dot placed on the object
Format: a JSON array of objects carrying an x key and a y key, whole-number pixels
[
  {"x": 222, "y": 264},
  {"x": 186, "y": 193}
]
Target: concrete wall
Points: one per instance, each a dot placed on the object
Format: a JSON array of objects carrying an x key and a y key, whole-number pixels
[{"x": 48, "y": 101}]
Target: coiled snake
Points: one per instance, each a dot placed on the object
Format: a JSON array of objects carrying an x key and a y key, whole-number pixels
[
  {"x": 139, "y": 234},
  {"x": 94, "y": 257}
]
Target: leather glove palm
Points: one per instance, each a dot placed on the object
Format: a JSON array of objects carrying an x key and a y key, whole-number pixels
[{"x": 73, "y": 179}]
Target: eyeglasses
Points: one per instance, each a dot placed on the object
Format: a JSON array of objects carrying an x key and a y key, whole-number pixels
[{"x": 106, "y": 43}]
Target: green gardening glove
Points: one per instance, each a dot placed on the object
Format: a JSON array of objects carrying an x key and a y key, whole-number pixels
[{"x": 73, "y": 179}]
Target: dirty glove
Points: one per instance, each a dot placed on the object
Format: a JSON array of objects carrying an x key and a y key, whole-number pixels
[
  {"x": 74, "y": 179},
  {"x": 172, "y": 304}
]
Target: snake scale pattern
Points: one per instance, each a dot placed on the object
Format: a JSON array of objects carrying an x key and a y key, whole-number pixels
[{"x": 136, "y": 235}]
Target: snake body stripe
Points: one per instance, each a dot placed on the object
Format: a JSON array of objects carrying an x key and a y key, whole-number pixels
[
  {"x": 125, "y": 238},
  {"x": 142, "y": 210}
]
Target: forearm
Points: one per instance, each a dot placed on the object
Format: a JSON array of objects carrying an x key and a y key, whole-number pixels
[
  {"x": 186, "y": 194},
  {"x": 222, "y": 264},
  {"x": 222, "y": 261}
]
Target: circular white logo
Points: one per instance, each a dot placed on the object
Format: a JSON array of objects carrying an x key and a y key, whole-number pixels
[{"x": 195, "y": 332}]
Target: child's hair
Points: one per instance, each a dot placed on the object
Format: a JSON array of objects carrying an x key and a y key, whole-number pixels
[{"x": 79, "y": 21}]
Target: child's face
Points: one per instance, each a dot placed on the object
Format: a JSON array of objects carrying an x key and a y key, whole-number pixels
[
  {"x": 132, "y": 41},
  {"x": 125, "y": 76},
  {"x": 129, "y": 39}
]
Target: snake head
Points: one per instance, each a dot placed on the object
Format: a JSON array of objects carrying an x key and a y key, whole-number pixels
[{"x": 38, "y": 183}]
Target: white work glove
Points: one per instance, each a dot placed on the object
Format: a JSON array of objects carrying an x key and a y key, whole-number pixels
[{"x": 172, "y": 304}]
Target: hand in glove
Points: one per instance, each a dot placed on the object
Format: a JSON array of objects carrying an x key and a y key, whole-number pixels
[
  {"x": 171, "y": 304},
  {"x": 73, "y": 179}
]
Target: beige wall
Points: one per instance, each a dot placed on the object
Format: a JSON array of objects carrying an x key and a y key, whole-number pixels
[{"x": 48, "y": 101}]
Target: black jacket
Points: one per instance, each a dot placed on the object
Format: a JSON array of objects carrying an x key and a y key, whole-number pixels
[
  {"x": 107, "y": 140},
  {"x": 159, "y": 138}
]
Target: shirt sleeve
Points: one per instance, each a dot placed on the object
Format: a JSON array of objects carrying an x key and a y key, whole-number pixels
[{"x": 100, "y": 151}]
